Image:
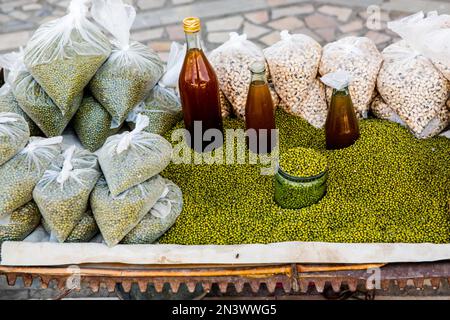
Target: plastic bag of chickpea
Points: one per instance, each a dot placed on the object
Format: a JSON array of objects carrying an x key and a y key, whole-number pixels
[
  {"x": 293, "y": 62},
  {"x": 20, "y": 223},
  {"x": 361, "y": 59},
  {"x": 14, "y": 135}
]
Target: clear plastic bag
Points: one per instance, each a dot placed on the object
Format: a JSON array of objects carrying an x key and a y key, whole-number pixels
[
  {"x": 13, "y": 63},
  {"x": 92, "y": 124},
  {"x": 232, "y": 61},
  {"x": 84, "y": 231},
  {"x": 361, "y": 59},
  {"x": 293, "y": 64},
  {"x": 21, "y": 174},
  {"x": 131, "y": 158},
  {"x": 20, "y": 223},
  {"x": 162, "y": 107},
  {"x": 174, "y": 64},
  {"x": 412, "y": 87},
  {"x": 131, "y": 70},
  {"x": 160, "y": 218},
  {"x": 116, "y": 216},
  {"x": 64, "y": 54},
  {"x": 62, "y": 193},
  {"x": 14, "y": 135}
]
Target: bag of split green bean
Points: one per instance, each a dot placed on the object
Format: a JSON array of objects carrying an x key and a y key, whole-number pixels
[
  {"x": 116, "y": 216},
  {"x": 131, "y": 70},
  {"x": 14, "y": 135},
  {"x": 21, "y": 174},
  {"x": 160, "y": 218},
  {"x": 162, "y": 107},
  {"x": 130, "y": 158},
  {"x": 63, "y": 192},
  {"x": 64, "y": 54}
]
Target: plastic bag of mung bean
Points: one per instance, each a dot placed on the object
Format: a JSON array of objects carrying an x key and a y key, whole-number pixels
[
  {"x": 64, "y": 54},
  {"x": 84, "y": 231},
  {"x": 39, "y": 106},
  {"x": 232, "y": 61},
  {"x": 413, "y": 88},
  {"x": 131, "y": 70},
  {"x": 92, "y": 124},
  {"x": 293, "y": 62},
  {"x": 361, "y": 59},
  {"x": 130, "y": 158},
  {"x": 14, "y": 135},
  {"x": 13, "y": 63},
  {"x": 116, "y": 216},
  {"x": 163, "y": 108},
  {"x": 17, "y": 225},
  {"x": 63, "y": 192},
  {"x": 21, "y": 174},
  {"x": 160, "y": 218}
]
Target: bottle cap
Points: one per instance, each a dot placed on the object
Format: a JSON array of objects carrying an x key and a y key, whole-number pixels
[
  {"x": 191, "y": 24},
  {"x": 258, "y": 67}
]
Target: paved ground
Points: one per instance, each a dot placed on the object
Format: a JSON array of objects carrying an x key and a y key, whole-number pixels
[{"x": 158, "y": 21}]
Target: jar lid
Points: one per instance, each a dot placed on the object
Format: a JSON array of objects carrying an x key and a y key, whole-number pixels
[
  {"x": 258, "y": 67},
  {"x": 191, "y": 24}
]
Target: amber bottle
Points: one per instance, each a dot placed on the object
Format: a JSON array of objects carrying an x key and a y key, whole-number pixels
[
  {"x": 259, "y": 112},
  {"x": 199, "y": 90},
  {"x": 341, "y": 126}
]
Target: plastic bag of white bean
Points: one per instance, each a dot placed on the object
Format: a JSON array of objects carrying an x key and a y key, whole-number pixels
[
  {"x": 21, "y": 174},
  {"x": 116, "y": 216},
  {"x": 163, "y": 108},
  {"x": 413, "y": 88},
  {"x": 63, "y": 192},
  {"x": 160, "y": 218},
  {"x": 131, "y": 70},
  {"x": 293, "y": 62},
  {"x": 14, "y": 135},
  {"x": 361, "y": 59},
  {"x": 232, "y": 61},
  {"x": 381, "y": 110},
  {"x": 131, "y": 158},
  {"x": 64, "y": 54}
]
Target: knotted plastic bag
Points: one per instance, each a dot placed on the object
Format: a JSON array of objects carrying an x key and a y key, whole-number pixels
[
  {"x": 13, "y": 62},
  {"x": 130, "y": 158},
  {"x": 408, "y": 81},
  {"x": 116, "y": 216},
  {"x": 21, "y": 174},
  {"x": 17, "y": 225},
  {"x": 64, "y": 54},
  {"x": 131, "y": 70},
  {"x": 162, "y": 107},
  {"x": 14, "y": 135},
  {"x": 84, "y": 231},
  {"x": 160, "y": 218},
  {"x": 63, "y": 192},
  {"x": 92, "y": 124},
  {"x": 231, "y": 62},
  {"x": 361, "y": 59},
  {"x": 293, "y": 62}
]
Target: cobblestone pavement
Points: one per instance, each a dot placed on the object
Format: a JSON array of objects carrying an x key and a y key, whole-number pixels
[{"x": 158, "y": 22}]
